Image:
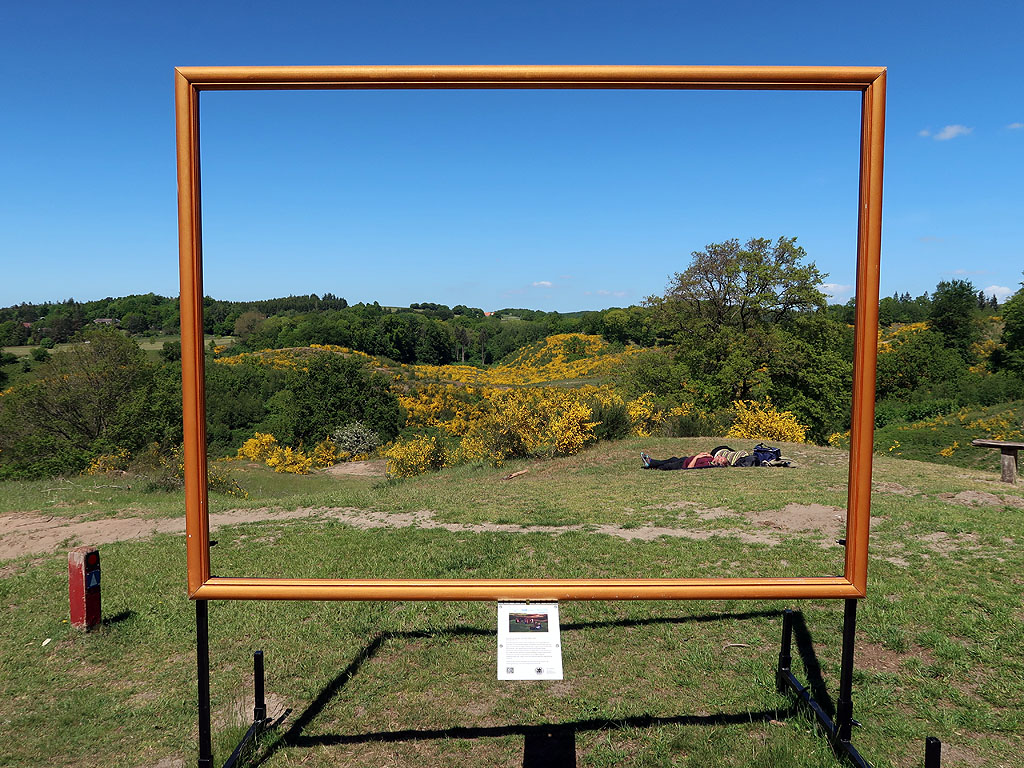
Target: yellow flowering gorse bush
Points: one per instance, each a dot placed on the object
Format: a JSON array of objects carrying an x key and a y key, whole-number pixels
[
  {"x": 265, "y": 449},
  {"x": 407, "y": 458},
  {"x": 562, "y": 357},
  {"x": 756, "y": 420},
  {"x": 291, "y": 357},
  {"x": 109, "y": 462}
]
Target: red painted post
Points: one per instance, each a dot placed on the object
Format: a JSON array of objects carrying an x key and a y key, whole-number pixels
[{"x": 84, "y": 587}]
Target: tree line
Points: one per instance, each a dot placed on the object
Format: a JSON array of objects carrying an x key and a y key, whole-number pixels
[{"x": 742, "y": 321}]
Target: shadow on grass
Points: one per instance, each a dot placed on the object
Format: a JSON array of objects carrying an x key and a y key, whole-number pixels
[
  {"x": 549, "y": 744},
  {"x": 117, "y": 618},
  {"x": 805, "y": 649}
]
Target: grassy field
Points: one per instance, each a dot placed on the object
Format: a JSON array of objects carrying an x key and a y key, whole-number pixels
[{"x": 646, "y": 684}]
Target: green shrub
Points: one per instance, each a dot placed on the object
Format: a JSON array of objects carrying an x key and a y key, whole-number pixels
[
  {"x": 699, "y": 424},
  {"x": 332, "y": 388},
  {"x": 613, "y": 421},
  {"x": 895, "y": 411},
  {"x": 171, "y": 351}
]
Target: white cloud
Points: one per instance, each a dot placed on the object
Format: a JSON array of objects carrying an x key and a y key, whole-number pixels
[
  {"x": 1001, "y": 292},
  {"x": 952, "y": 131},
  {"x": 836, "y": 290},
  {"x": 924, "y": 132},
  {"x": 542, "y": 284},
  {"x": 1015, "y": 126}
]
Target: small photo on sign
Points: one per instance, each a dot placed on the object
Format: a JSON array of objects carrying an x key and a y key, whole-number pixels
[{"x": 527, "y": 622}]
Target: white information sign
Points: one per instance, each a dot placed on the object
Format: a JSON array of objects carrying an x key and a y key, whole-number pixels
[{"x": 529, "y": 642}]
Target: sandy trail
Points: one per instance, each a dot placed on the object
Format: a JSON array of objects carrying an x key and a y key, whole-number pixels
[{"x": 30, "y": 533}]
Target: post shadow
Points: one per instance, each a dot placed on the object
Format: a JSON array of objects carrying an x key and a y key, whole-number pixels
[
  {"x": 812, "y": 668},
  {"x": 545, "y": 746}
]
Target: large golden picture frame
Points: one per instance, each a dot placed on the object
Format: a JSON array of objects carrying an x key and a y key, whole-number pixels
[{"x": 189, "y": 81}]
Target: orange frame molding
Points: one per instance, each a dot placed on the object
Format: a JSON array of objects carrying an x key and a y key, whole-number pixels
[{"x": 189, "y": 81}]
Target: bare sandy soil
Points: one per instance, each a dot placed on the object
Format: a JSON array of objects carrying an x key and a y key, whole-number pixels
[
  {"x": 362, "y": 468},
  {"x": 34, "y": 534}
]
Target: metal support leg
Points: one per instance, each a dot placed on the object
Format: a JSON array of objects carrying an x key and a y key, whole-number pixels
[
  {"x": 844, "y": 702},
  {"x": 259, "y": 712},
  {"x": 932, "y": 752},
  {"x": 838, "y": 731},
  {"x": 785, "y": 652},
  {"x": 203, "y": 666}
]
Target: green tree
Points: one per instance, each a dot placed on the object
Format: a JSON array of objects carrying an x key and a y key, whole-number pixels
[
  {"x": 247, "y": 323},
  {"x": 134, "y": 322},
  {"x": 98, "y": 395},
  {"x": 954, "y": 315},
  {"x": 728, "y": 313},
  {"x": 740, "y": 287},
  {"x": 1011, "y": 355},
  {"x": 920, "y": 362},
  {"x": 334, "y": 390},
  {"x": 171, "y": 351},
  {"x": 238, "y": 399}
]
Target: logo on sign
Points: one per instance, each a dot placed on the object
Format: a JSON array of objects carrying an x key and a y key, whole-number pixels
[{"x": 92, "y": 579}]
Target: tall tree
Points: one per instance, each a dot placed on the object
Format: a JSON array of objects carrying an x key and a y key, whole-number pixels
[
  {"x": 954, "y": 315},
  {"x": 1011, "y": 355},
  {"x": 740, "y": 287},
  {"x": 729, "y": 309}
]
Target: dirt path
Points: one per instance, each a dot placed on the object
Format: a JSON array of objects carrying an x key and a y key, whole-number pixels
[{"x": 33, "y": 534}]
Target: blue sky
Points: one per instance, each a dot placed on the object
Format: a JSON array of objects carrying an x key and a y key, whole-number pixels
[{"x": 557, "y": 200}]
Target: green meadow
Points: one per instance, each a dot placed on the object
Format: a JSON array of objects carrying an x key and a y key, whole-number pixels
[{"x": 414, "y": 683}]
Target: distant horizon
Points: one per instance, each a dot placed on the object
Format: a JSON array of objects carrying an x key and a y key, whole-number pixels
[{"x": 176, "y": 296}]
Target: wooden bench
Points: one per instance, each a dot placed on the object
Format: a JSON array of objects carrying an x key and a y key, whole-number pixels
[{"x": 1009, "y": 456}]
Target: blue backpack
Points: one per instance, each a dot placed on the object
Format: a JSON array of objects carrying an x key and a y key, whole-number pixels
[{"x": 765, "y": 454}]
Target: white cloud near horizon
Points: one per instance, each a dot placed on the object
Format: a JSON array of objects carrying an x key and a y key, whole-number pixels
[
  {"x": 836, "y": 290},
  {"x": 543, "y": 284},
  {"x": 1001, "y": 292},
  {"x": 1015, "y": 126},
  {"x": 951, "y": 132}
]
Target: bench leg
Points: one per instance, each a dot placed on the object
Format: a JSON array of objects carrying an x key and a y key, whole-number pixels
[{"x": 1009, "y": 466}]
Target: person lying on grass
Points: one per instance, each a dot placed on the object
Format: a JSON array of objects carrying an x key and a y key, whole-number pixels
[
  {"x": 699, "y": 461},
  {"x": 722, "y": 456}
]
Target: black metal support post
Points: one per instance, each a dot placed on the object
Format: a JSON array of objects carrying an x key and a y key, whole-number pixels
[
  {"x": 786, "y": 652},
  {"x": 932, "y": 752},
  {"x": 786, "y": 680},
  {"x": 259, "y": 714},
  {"x": 203, "y": 667},
  {"x": 844, "y": 703}
]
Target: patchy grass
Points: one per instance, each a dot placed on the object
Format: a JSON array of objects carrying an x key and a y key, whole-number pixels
[{"x": 646, "y": 683}]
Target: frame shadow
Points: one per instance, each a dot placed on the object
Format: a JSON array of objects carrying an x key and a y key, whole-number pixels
[{"x": 550, "y": 744}]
